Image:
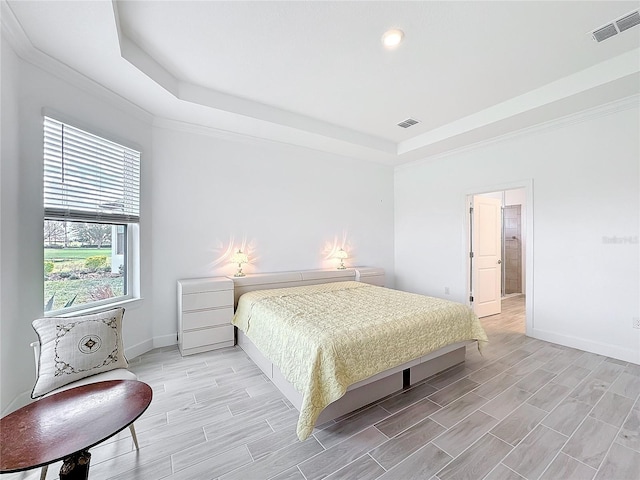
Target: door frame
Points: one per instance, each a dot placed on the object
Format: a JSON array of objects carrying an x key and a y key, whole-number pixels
[{"x": 527, "y": 184}]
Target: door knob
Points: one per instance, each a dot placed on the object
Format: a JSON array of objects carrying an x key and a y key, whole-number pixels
[{"x": 499, "y": 262}]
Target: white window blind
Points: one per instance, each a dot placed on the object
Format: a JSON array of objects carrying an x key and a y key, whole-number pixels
[{"x": 89, "y": 178}]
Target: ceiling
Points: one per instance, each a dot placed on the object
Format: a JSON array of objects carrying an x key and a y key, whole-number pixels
[{"x": 315, "y": 73}]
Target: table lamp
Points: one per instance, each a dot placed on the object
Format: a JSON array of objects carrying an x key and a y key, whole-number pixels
[
  {"x": 239, "y": 257},
  {"x": 341, "y": 254}
]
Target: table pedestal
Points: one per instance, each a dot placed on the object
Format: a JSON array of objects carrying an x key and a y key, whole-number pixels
[{"x": 76, "y": 467}]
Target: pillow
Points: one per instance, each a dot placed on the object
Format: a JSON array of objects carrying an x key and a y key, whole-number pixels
[{"x": 72, "y": 348}]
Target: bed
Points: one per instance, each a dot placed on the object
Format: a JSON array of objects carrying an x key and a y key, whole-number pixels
[{"x": 333, "y": 342}]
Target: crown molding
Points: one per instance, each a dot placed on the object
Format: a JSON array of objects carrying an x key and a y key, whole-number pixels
[
  {"x": 13, "y": 32},
  {"x": 207, "y": 97},
  {"x": 357, "y": 154},
  {"x": 189, "y": 92},
  {"x": 610, "y": 108},
  {"x": 321, "y": 137},
  {"x": 611, "y": 70},
  {"x": 19, "y": 41}
]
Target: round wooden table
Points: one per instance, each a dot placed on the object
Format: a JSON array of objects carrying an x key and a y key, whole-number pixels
[{"x": 65, "y": 425}]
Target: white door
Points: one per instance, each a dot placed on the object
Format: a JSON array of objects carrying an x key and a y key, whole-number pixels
[{"x": 486, "y": 268}]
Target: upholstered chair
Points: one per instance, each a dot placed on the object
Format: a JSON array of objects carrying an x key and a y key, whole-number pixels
[{"x": 74, "y": 351}]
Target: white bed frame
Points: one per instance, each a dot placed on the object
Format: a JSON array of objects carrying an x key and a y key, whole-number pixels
[{"x": 366, "y": 391}]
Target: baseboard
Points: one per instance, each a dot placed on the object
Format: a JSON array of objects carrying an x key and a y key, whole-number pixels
[
  {"x": 136, "y": 350},
  {"x": 606, "y": 349},
  {"x": 20, "y": 401},
  {"x": 156, "y": 342},
  {"x": 165, "y": 340}
]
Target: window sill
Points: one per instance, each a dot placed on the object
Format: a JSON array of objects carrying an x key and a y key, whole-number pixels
[{"x": 127, "y": 302}]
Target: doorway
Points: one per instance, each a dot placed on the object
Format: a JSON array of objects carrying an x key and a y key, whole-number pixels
[{"x": 487, "y": 293}]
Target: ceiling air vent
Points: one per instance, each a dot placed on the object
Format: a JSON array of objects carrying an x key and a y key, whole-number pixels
[
  {"x": 624, "y": 23},
  {"x": 408, "y": 123},
  {"x": 605, "y": 32},
  {"x": 628, "y": 21}
]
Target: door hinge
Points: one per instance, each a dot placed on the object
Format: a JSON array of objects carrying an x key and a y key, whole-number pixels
[
  {"x": 471, "y": 298},
  {"x": 470, "y": 209},
  {"x": 470, "y": 254}
]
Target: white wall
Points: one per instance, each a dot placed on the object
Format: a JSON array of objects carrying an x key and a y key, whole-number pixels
[
  {"x": 585, "y": 177},
  {"x": 25, "y": 91},
  {"x": 9, "y": 290},
  {"x": 288, "y": 205}
]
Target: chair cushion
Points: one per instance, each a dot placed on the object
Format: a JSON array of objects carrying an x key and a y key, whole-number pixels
[{"x": 72, "y": 348}]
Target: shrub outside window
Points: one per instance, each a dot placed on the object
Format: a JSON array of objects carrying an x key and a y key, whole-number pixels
[{"x": 91, "y": 199}]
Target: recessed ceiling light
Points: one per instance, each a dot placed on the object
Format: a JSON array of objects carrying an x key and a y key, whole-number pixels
[{"x": 392, "y": 38}]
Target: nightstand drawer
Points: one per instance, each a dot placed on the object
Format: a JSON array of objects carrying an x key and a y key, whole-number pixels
[
  {"x": 199, "y": 301},
  {"x": 207, "y": 318},
  {"x": 207, "y": 336}
]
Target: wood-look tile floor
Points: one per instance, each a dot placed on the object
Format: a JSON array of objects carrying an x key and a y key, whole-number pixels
[{"x": 525, "y": 409}]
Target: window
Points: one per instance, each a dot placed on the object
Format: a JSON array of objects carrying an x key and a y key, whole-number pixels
[{"x": 91, "y": 211}]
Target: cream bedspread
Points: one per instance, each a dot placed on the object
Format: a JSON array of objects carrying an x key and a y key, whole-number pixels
[{"x": 326, "y": 337}]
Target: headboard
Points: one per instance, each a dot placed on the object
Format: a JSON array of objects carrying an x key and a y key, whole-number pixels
[{"x": 265, "y": 281}]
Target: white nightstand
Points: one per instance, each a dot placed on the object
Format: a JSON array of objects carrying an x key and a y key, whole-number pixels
[{"x": 205, "y": 310}]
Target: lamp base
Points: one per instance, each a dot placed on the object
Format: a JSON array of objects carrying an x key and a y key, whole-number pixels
[{"x": 239, "y": 274}]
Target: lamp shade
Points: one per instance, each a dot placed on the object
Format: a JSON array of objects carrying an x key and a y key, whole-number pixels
[
  {"x": 239, "y": 257},
  {"x": 341, "y": 254}
]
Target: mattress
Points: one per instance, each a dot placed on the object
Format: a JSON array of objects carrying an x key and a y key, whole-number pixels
[{"x": 326, "y": 337}]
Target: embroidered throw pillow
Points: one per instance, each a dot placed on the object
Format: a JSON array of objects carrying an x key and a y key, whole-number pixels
[{"x": 72, "y": 348}]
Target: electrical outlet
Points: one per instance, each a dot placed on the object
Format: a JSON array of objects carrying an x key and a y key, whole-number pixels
[
  {"x": 446, "y": 290},
  {"x": 636, "y": 322}
]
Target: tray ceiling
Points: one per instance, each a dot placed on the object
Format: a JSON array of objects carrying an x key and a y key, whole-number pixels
[{"x": 317, "y": 74}]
